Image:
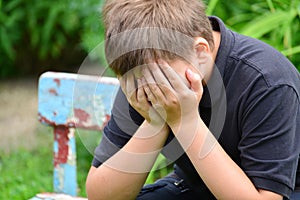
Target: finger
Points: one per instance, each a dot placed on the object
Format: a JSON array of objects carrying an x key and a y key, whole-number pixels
[
  {"x": 149, "y": 80},
  {"x": 195, "y": 82},
  {"x": 159, "y": 76},
  {"x": 142, "y": 101},
  {"x": 162, "y": 81},
  {"x": 174, "y": 79},
  {"x": 141, "y": 94},
  {"x": 123, "y": 84},
  {"x": 194, "y": 79},
  {"x": 148, "y": 77},
  {"x": 153, "y": 114},
  {"x": 155, "y": 89},
  {"x": 150, "y": 97},
  {"x": 137, "y": 71},
  {"x": 131, "y": 86}
]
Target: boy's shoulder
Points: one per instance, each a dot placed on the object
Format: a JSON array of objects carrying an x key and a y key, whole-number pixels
[
  {"x": 245, "y": 61},
  {"x": 258, "y": 57}
]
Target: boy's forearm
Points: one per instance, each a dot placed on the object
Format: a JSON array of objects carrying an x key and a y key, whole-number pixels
[
  {"x": 123, "y": 175},
  {"x": 221, "y": 174}
]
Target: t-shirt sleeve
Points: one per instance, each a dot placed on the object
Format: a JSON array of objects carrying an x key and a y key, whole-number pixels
[
  {"x": 269, "y": 142},
  {"x": 122, "y": 125}
]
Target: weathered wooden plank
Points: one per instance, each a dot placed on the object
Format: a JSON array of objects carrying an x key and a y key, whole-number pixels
[
  {"x": 53, "y": 196},
  {"x": 64, "y": 161},
  {"x": 67, "y": 101},
  {"x": 75, "y": 100}
]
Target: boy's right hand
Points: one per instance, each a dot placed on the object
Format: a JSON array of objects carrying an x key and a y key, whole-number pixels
[{"x": 132, "y": 86}]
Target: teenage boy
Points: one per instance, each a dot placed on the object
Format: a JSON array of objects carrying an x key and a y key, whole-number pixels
[{"x": 172, "y": 101}]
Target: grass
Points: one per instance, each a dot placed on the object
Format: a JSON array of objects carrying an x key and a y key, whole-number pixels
[{"x": 24, "y": 173}]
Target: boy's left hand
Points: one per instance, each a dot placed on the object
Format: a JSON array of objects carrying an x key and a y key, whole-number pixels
[
  {"x": 132, "y": 87},
  {"x": 174, "y": 100}
]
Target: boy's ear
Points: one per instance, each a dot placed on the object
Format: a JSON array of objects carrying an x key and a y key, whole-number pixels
[{"x": 202, "y": 49}]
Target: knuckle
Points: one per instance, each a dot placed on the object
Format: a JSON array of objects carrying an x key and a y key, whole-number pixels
[
  {"x": 132, "y": 98},
  {"x": 172, "y": 102},
  {"x": 185, "y": 95}
]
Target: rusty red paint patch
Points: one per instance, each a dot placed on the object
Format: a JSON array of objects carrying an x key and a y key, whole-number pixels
[
  {"x": 53, "y": 91},
  {"x": 107, "y": 118},
  {"x": 81, "y": 115},
  {"x": 44, "y": 120},
  {"x": 57, "y": 81},
  {"x": 61, "y": 137}
]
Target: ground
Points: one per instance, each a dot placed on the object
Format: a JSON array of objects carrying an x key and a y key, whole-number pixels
[{"x": 18, "y": 114}]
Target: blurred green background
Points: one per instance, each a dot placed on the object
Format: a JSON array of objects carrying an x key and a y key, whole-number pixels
[
  {"x": 40, "y": 35},
  {"x": 36, "y": 36}
]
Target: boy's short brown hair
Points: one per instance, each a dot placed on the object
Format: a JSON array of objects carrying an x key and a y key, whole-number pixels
[{"x": 141, "y": 30}]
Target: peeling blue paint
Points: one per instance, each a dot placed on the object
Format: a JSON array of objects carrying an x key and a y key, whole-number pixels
[
  {"x": 59, "y": 96},
  {"x": 58, "y": 101},
  {"x": 64, "y": 183},
  {"x": 55, "y": 147}
]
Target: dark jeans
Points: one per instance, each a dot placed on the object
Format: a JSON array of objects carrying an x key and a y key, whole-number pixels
[
  {"x": 173, "y": 187},
  {"x": 167, "y": 188},
  {"x": 295, "y": 196}
]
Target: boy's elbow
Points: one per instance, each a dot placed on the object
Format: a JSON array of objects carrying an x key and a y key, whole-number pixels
[
  {"x": 94, "y": 189},
  {"x": 99, "y": 186}
]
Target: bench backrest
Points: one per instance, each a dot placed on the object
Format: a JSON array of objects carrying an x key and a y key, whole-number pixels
[{"x": 67, "y": 101}]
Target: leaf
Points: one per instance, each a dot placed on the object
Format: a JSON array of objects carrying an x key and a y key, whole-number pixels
[
  {"x": 48, "y": 31},
  {"x": 50, "y": 23},
  {"x": 266, "y": 23},
  {"x": 271, "y": 5},
  {"x": 240, "y": 18},
  {"x": 33, "y": 29},
  {"x": 6, "y": 44},
  {"x": 3, "y": 17},
  {"x": 12, "y": 5},
  {"x": 291, "y": 51},
  {"x": 211, "y": 6},
  {"x": 287, "y": 41},
  {"x": 15, "y": 17},
  {"x": 70, "y": 22}
]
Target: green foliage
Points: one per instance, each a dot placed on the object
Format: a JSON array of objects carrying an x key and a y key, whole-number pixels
[
  {"x": 160, "y": 169},
  {"x": 276, "y": 22},
  {"x": 34, "y": 32},
  {"x": 44, "y": 28},
  {"x": 25, "y": 173}
]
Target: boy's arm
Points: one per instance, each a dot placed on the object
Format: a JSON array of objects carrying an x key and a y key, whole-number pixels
[
  {"x": 221, "y": 174},
  {"x": 123, "y": 175}
]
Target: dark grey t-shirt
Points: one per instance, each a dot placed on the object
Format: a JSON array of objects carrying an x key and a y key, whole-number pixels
[{"x": 261, "y": 128}]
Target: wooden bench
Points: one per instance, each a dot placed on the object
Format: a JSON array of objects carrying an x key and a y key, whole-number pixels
[{"x": 66, "y": 102}]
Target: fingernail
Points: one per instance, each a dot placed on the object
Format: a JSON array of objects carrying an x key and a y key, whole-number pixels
[
  {"x": 139, "y": 82},
  {"x": 161, "y": 62},
  {"x": 197, "y": 76},
  {"x": 194, "y": 75}
]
